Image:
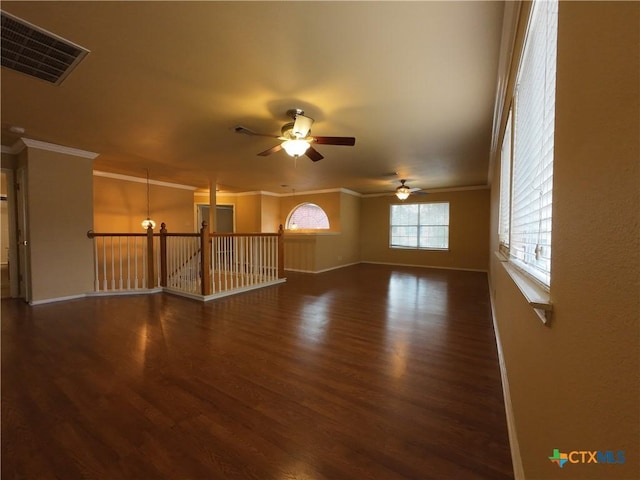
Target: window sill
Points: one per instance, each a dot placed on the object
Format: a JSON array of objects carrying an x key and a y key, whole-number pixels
[
  {"x": 537, "y": 297},
  {"x": 419, "y": 249}
]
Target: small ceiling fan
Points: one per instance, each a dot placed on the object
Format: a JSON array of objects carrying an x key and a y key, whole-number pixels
[
  {"x": 403, "y": 191},
  {"x": 297, "y": 138}
]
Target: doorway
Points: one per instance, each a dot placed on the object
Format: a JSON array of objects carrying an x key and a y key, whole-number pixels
[
  {"x": 5, "y": 277},
  {"x": 9, "y": 261},
  {"x": 224, "y": 217}
]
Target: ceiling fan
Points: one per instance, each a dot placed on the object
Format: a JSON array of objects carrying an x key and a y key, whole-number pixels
[
  {"x": 297, "y": 138},
  {"x": 403, "y": 191}
]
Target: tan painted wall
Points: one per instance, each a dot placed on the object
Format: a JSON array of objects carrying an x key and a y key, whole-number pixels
[
  {"x": 121, "y": 205},
  {"x": 350, "y": 211},
  {"x": 468, "y": 231},
  {"x": 248, "y": 213},
  {"x": 344, "y": 248},
  {"x": 270, "y": 214},
  {"x": 300, "y": 252},
  {"x": 60, "y": 192},
  {"x": 574, "y": 384}
]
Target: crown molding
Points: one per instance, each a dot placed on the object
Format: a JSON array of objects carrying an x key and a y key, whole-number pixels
[
  {"x": 129, "y": 178},
  {"x": 271, "y": 194},
  {"x": 24, "y": 142}
]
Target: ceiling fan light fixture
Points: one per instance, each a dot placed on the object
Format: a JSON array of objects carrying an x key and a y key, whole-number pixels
[
  {"x": 403, "y": 192},
  {"x": 295, "y": 148},
  {"x": 302, "y": 126}
]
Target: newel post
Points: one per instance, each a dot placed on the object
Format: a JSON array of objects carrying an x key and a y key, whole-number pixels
[
  {"x": 151, "y": 280},
  {"x": 163, "y": 254},
  {"x": 281, "y": 252},
  {"x": 205, "y": 259}
]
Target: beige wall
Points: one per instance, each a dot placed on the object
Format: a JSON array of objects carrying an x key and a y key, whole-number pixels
[
  {"x": 271, "y": 220},
  {"x": 59, "y": 192},
  {"x": 468, "y": 231},
  {"x": 248, "y": 213},
  {"x": 121, "y": 205},
  {"x": 574, "y": 384},
  {"x": 350, "y": 211}
]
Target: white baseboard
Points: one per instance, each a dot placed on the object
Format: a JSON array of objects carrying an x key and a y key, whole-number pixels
[
  {"x": 298, "y": 270},
  {"x": 213, "y": 296},
  {"x": 111, "y": 293},
  {"x": 322, "y": 271},
  {"x": 33, "y": 303},
  {"x": 426, "y": 266},
  {"x": 385, "y": 263},
  {"x": 516, "y": 459}
]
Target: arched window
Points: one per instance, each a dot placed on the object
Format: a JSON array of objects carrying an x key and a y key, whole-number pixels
[{"x": 307, "y": 216}]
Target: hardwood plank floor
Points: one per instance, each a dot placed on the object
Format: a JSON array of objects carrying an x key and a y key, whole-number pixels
[{"x": 367, "y": 372}]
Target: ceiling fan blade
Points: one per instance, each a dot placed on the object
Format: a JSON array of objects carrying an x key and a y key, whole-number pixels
[
  {"x": 414, "y": 189},
  {"x": 313, "y": 154},
  {"x": 347, "y": 141},
  {"x": 248, "y": 131},
  {"x": 275, "y": 149}
]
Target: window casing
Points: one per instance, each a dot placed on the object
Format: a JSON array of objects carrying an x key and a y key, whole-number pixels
[
  {"x": 419, "y": 226},
  {"x": 528, "y": 150},
  {"x": 505, "y": 188},
  {"x": 307, "y": 216}
]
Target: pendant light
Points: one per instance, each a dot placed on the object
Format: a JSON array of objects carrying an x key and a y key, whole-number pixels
[{"x": 148, "y": 223}]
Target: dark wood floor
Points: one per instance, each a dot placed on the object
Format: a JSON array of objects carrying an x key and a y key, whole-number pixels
[{"x": 368, "y": 372}]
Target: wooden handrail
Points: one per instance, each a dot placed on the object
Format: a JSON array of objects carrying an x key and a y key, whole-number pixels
[
  {"x": 92, "y": 234},
  {"x": 211, "y": 235}
]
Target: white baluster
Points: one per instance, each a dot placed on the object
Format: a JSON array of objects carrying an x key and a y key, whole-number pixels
[{"x": 96, "y": 275}]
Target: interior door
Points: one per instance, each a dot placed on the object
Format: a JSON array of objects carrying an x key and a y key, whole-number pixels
[
  {"x": 203, "y": 215},
  {"x": 224, "y": 218},
  {"x": 9, "y": 233},
  {"x": 24, "y": 269}
]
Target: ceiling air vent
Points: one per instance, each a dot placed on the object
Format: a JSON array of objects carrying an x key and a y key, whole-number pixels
[{"x": 36, "y": 52}]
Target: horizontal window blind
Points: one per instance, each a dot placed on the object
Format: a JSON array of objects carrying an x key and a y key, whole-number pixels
[
  {"x": 420, "y": 225},
  {"x": 534, "y": 121},
  {"x": 505, "y": 186}
]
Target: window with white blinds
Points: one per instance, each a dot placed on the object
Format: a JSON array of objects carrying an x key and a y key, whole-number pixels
[
  {"x": 504, "y": 213},
  {"x": 420, "y": 225},
  {"x": 533, "y": 132}
]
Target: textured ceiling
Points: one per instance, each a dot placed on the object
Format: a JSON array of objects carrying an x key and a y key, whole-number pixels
[{"x": 166, "y": 82}]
